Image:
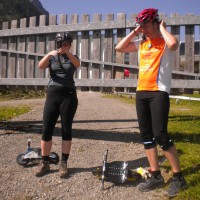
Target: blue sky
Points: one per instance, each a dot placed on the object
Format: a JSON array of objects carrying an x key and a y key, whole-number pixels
[{"x": 91, "y": 7}]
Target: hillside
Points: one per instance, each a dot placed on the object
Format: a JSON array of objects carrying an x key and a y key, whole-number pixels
[{"x": 17, "y": 9}]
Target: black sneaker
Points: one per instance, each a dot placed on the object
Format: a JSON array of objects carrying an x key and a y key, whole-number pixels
[
  {"x": 152, "y": 183},
  {"x": 45, "y": 169},
  {"x": 175, "y": 186}
]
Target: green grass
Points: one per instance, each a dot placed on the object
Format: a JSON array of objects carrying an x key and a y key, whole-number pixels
[
  {"x": 184, "y": 127},
  {"x": 10, "y": 94},
  {"x": 7, "y": 113}
]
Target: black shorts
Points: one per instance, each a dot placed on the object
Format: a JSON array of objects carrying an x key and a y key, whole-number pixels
[
  {"x": 63, "y": 102},
  {"x": 152, "y": 111}
]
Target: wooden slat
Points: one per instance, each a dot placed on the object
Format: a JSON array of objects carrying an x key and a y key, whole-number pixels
[
  {"x": 11, "y": 66},
  {"x": 108, "y": 50},
  {"x": 175, "y": 30},
  {"x": 97, "y": 82},
  {"x": 50, "y": 40},
  {"x": 13, "y": 24},
  {"x": 53, "y": 20},
  {"x": 3, "y": 64},
  {"x": 61, "y": 28},
  {"x": 96, "y": 48},
  {"x": 85, "y": 48},
  {"x": 4, "y": 56},
  {"x": 40, "y": 48},
  {"x": 75, "y": 48},
  {"x": 30, "y": 69},
  {"x": 133, "y": 56},
  {"x": 121, "y": 33},
  {"x": 189, "y": 49},
  {"x": 31, "y": 45},
  {"x": 21, "y": 47},
  {"x": 12, "y": 59},
  {"x": 5, "y": 25},
  {"x": 21, "y": 66},
  {"x": 75, "y": 45},
  {"x": 51, "y": 36},
  {"x": 42, "y": 20},
  {"x": 62, "y": 19}
]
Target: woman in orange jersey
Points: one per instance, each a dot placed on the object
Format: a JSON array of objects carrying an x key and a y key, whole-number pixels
[{"x": 156, "y": 55}]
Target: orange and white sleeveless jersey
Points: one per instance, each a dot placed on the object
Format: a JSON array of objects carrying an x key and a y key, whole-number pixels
[{"x": 155, "y": 65}]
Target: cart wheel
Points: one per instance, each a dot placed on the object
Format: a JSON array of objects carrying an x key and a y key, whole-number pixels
[
  {"x": 21, "y": 161},
  {"x": 54, "y": 158}
]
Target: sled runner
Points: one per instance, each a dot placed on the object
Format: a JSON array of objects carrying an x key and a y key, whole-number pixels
[{"x": 116, "y": 172}]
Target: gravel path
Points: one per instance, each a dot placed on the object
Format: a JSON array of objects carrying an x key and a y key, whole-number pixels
[{"x": 100, "y": 124}]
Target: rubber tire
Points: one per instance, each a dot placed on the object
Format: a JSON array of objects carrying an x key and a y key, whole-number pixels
[
  {"x": 54, "y": 158},
  {"x": 22, "y": 161}
]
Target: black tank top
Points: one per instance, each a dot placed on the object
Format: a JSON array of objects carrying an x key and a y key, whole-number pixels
[{"x": 61, "y": 71}]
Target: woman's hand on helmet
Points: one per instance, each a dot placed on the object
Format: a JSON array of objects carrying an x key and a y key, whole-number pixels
[
  {"x": 138, "y": 30},
  {"x": 162, "y": 24},
  {"x": 64, "y": 49}
]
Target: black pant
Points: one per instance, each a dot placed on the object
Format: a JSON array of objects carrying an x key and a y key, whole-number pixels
[
  {"x": 152, "y": 111},
  {"x": 60, "y": 101}
]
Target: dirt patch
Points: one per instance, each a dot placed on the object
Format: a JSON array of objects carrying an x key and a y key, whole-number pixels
[{"x": 99, "y": 124}]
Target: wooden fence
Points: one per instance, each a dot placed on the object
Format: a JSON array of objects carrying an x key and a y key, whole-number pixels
[{"x": 24, "y": 42}]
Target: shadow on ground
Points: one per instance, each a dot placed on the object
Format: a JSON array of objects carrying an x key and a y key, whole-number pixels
[{"x": 104, "y": 134}]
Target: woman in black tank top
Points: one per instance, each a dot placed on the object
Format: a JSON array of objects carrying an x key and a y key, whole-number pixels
[{"x": 61, "y": 100}]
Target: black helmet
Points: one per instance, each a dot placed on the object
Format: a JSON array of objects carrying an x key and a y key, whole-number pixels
[{"x": 63, "y": 37}]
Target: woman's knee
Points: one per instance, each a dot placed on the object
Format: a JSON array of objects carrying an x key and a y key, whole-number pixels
[
  {"x": 165, "y": 142},
  {"x": 46, "y": 137}
]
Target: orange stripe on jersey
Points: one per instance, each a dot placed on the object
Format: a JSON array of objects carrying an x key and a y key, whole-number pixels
[{"x": 150, "y": 54}]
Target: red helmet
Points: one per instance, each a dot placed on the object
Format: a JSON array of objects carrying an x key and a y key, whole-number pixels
[{"x": 147, "y": 15}]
